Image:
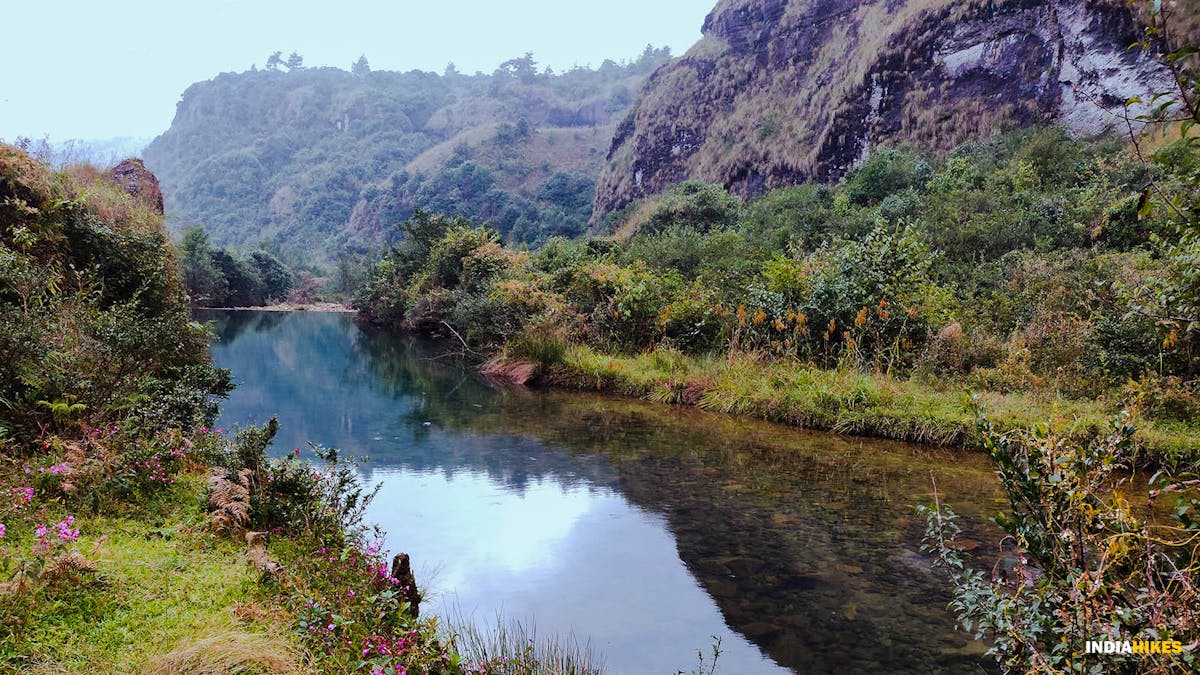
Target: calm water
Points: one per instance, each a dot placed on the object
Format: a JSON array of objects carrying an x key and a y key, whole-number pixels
[{"x": 643, "y": 529}]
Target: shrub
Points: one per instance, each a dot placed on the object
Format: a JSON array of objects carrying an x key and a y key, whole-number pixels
[
  {"x": 1080, "y": 562},
  {"x": 692, "y": 205},
  {"x": 886, "y": 172},
  {"x": 287, "y": 494}
]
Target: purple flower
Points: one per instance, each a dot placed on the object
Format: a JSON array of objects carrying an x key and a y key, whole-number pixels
[
  {"x": 65, "y": 533},
  {"x": 2, "y": 531},
  {"x": 58, "y": 469}
]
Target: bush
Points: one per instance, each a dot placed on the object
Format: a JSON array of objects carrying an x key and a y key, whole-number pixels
[
  {"x": 1079, "y": 563},
  {"x": 692, "y": 205},
  {"x": 248, "y": 491},
  {"x": 886, "y": 172}
]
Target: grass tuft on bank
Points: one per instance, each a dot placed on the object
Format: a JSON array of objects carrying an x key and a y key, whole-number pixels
[{"x": 844, "y": 400}]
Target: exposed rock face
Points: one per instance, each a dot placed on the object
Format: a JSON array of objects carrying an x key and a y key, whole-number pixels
[
  {"x": 779, "y": 91},
  {"x": 135, "y": 179}
]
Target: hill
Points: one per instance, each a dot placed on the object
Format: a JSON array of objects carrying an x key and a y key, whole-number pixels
[{"x": 322, "y": 161}]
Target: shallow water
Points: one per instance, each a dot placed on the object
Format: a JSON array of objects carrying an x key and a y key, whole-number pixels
[{"x": 644, "y": 530}]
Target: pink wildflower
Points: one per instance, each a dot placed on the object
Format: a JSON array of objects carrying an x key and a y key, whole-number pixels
[
  {"x": 65, "y": 533},
  {"x": 2, "y": 531},
  {"x": 40, "y": 531}
]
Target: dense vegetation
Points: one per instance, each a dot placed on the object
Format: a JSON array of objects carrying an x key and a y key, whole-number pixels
[
  {"x": 126, "y": 523},
  {"x": 1015, "y": 266},
  {"x": 314, "y": 160},
  {"x": 218, "y": 278},
  {"x": 1089, "y": 554}
]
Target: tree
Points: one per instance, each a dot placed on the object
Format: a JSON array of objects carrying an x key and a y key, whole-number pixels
[
  {"x": 277, "y": 279},
  {"x": 523, "y": 129},
  {"x": 245, "y": 288},
  {"x": 274, "y": 61},
  {"x": 524, "y": 68},
  {"x": 361, "y": 67},
  {"x": 295, "y": 62},
  {"x": 205, "y": 284}
]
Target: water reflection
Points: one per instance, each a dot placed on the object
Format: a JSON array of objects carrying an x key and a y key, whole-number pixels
[{"x": 644, "y": 528}]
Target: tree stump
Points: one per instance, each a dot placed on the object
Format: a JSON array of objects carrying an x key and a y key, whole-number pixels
[{"x": 402, "y": 572}]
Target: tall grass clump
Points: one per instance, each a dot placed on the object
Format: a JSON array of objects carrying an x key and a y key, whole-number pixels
[{"x": 510, "y": 647}]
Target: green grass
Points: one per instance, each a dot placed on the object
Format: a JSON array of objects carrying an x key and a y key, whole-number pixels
[
  {"x": 848, "y": 401},
  {"x": 163, "y": 583}
]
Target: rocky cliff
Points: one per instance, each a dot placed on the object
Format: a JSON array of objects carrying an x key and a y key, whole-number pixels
[
  {"x": 137, "y": 181},
  {"x": 782, "y": 91}
]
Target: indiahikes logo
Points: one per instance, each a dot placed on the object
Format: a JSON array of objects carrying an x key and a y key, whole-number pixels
[{"x": 1138, "y": 647}]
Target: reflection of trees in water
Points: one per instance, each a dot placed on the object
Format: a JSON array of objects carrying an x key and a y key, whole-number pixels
[
  {"x": 228, "y": 325},
  {"x": 807, "y": 542}
]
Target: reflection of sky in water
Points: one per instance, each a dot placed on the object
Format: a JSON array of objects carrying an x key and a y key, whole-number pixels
[
  {"x": 521, "y": 529},
  {"x": 573, "y": 559}
]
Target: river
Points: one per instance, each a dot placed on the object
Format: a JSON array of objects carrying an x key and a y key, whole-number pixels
[{"x": 643, "y": 530}]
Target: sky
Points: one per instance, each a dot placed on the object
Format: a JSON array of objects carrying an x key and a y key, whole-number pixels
[{"x": 96, "y": 70}]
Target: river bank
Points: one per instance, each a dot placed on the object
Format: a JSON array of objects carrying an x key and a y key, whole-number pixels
[
  {"x": 335, "y": 307},
  {"x": 842, "y": 401}
]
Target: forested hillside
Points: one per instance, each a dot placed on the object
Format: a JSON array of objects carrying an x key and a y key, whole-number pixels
[{"x": 322, "y": 161}]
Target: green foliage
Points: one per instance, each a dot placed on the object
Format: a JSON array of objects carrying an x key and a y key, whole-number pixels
[
  {"x": 1173, "y": 299},
  {"x": 885, "y": 173},
  {"x": 1080, "y": 563},
  {"x": 324, "y": 161},
  {"x": 1010, "y": 266},
  {"x": 277, "y": 280},
  {"x": 691, "y": 205},
  {"x": 216, "y": 278},
  {"x": 91, "y": 312},
  {"x": 204, "y": 282},
  {"x": 873, "y": 295},
  {"x": 326, "y": 503}
]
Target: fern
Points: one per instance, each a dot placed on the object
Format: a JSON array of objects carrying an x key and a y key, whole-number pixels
[
  {"x": 63, "y": 409},
  {"x": 229, "y": 499}
]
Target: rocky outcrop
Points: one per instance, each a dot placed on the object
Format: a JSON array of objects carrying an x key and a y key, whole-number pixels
[
  {"x": 783, "y": 91},
  {"x": 136, "y": 180}
]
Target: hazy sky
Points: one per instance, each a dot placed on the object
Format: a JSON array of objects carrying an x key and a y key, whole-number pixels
[{"x": 92, "y": 69}]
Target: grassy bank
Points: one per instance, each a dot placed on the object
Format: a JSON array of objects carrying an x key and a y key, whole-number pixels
[
  {"x": 845, "y": 401},
  {"x": 200, "y": 556},
  {"x": 155, "y": 591},
  {"x": 206, "y": 556}
]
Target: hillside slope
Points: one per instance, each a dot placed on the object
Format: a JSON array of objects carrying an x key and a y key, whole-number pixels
[
  {"x": 782, "y": 91},
  {"x": 322, "y": 161}
]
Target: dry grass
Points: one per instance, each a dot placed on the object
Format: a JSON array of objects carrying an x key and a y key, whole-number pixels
[
  {"x": 229, "y": 652},
  {"x": 573, "y": 149}
]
